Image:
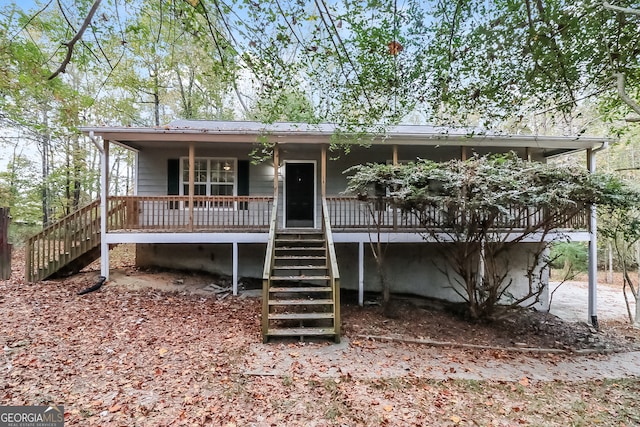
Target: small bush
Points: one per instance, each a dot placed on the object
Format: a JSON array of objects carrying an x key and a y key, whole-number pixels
[
  {"x": 570, "y": 257},
  {"x": 19, "y": 233}
]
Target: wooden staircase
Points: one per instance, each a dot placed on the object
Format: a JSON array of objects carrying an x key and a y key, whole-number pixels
[
  {"x": 68, "y": 245},
  {"x": 301, "y": 293}
]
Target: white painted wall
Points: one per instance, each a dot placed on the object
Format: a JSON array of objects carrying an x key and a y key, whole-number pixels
[{"x": 412, "y": 268}]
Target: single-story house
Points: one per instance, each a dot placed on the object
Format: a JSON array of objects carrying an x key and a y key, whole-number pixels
[{"x": 201, "y": 202}]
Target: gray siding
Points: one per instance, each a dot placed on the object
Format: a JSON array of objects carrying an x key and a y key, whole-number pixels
[
  {"x": 152, "y": 163},
  {"x": 152, "y": 167}
]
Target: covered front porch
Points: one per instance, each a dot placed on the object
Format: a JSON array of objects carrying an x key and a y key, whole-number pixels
[{"x": 178, "y": 199}]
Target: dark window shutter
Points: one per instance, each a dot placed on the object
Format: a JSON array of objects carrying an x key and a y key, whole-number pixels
[
  {"x": 243, "y": 182},
  {"x": 173, "y": 180}
]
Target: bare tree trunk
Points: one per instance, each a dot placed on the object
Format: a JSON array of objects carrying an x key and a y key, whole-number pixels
[
  {"x": 636, "y": 322},
  {"x": 45, "y": 157},
  {"x": 610, "y": 264},
  {"x": 637, "y": 244},
  {"x": 117, "y": 175},
  {"x": 67, "y": 179},
  {"x": 379, "y": 250},
  {"x": 156, "y": 97},
  {"x": 93, "y": 165},
  {"x": 78, "y": 161},
  {"x": 128, "y": 176}
]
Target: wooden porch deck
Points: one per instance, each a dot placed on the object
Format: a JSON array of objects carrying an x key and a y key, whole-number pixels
[{"x": 74, "y": 237}]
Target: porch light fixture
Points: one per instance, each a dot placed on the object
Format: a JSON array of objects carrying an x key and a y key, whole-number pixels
[{"x": 226, "y": 167}]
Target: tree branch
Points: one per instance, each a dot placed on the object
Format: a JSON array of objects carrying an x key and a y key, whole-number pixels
[
  {"x": 34, "y": 16},
  {"x": 623, "y": 94},
  {"x": 71, "y": 44},
  {"x": 609, "y": 6}
]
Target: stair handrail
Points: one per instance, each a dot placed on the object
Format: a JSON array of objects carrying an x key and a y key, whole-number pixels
[
  {"x": 88, "y": 215},
  {"x": 268, "y": 264},
  {"x": 58, "y": 224},
  {"x": 90, "y": 209},
  {"x": 332, "y": 265}
]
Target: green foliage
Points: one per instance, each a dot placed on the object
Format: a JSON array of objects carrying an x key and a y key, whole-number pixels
[
  {"x": 487, "y": 205},
  {"x": 491, "y": 184},
  {"x": 572, "y": 257},
  {"x": 285, "y": 107},
  {"x": 19, "y": 232},
  {"x": 363, "y": 65},
  {"x": 18, "y": 192}
]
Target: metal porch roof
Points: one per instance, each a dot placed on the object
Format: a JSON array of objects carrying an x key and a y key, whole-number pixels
[{"x": 300, "y": 133}]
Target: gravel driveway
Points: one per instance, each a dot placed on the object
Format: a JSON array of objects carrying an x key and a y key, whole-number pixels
[{"x": 570, "y": 302}]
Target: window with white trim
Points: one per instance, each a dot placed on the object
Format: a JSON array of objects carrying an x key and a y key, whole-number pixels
[{"x": 212, "y": 177}]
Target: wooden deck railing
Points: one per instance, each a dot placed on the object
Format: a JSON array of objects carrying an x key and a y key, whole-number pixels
[
  {"x": 78, "y": 233},
  {"x": 349, "y": 213},
  {"x": 173, "y": 213}
]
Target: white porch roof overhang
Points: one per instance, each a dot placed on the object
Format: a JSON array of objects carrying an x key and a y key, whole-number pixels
[{"x": 203, "y": 131}]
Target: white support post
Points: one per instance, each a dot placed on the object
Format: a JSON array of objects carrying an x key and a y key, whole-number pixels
[
  {"x": 192, "y": 174},
  {"x": 593, "y": 252},
  {"x": 323, "y": 171},
  {"x": 235, "y": 268},
  {"x": 104, "y": 193},
  {"x": 361, "y": 274},
  {"x": 593, "y": 269}
]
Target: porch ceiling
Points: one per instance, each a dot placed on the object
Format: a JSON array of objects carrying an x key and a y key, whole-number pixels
[{"x": 183, "y": 131}]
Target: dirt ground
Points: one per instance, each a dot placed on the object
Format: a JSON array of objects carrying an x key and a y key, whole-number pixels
[{"x": 172, "y": 348}]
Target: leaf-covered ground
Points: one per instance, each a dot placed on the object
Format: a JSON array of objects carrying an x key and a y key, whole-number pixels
[{"x": 147, "y": 357}]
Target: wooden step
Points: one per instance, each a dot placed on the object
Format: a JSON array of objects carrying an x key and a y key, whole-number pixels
[
  {"x": 300, "y": 248},
  {"x": 301, "y": 289},
  {"x": 300, "y": 257},
  {"x": 301, "y": 302},
  {"x": 290, "y": 240},
  {"x": 300, "y": 316},
  {"x": 297, "y": 332},
  {"x": 300, "y": 267},
  {"x": 300, "y": 278},
  {"x": 297, "y": 238},
  {"x": 299, "y": 232}
]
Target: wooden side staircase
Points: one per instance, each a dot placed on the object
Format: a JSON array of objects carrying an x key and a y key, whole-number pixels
[
  {"x": 301, "y": 285},
  {"x": 68, "y": 245}
]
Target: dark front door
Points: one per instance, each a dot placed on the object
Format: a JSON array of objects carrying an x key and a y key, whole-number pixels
[{"x": 300, "y": 191}]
